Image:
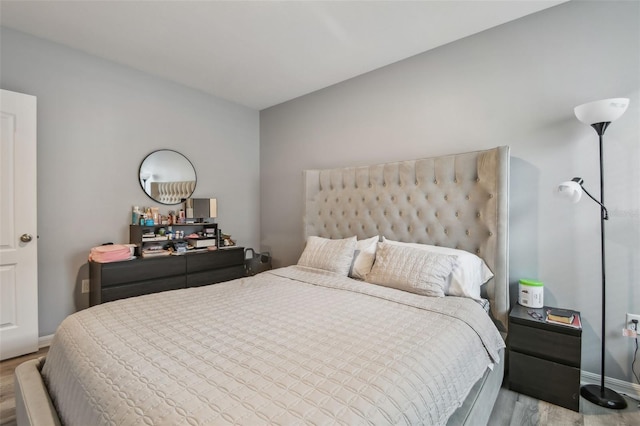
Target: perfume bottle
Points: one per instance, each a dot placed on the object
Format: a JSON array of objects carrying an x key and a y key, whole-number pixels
[{"x": 135, "y": 215}]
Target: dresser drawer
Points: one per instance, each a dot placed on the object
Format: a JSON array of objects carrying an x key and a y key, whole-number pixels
[
  {"x": 118, "y": 280},
  {"x": 215, "y": 276},
  {"x": 545, "y": 344},
  {"x": 117, "y": 273},
  {"x": 144, "y": 287},
  {"x": 197, "y": 262},
  {"x": 546, "y": 380}
]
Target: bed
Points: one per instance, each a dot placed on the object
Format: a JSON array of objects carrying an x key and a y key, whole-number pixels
[{"x": 309, "y": 344}]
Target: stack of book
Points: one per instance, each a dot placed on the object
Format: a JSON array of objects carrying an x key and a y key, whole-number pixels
[
  {"x": 150, "y": 236},
  {"x": 155, "y": 252},
  {"x": 202, "y": 242},
  {"x": 210, "y": 232},
  {"x": 564, "y": 317}
]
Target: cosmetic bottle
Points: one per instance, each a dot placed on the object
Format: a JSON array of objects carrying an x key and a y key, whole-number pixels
[
  {"x": 155, "y": 215},
  {"x": 135, "y": 215}
]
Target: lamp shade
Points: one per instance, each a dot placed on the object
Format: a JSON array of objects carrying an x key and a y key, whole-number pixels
[
  {"x": 570, "y": 190},
  {"x": 604, "y": 111}
]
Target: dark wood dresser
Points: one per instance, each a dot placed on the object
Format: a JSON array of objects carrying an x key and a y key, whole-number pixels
[
  {"x": 118, "y": 280},
  {"x": 544, "y": 359}
]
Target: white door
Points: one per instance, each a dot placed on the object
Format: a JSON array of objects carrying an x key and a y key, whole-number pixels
[{"x": 18, "y": 222}]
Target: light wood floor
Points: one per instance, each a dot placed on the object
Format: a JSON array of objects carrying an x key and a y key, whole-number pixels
[
  {"x": 511, "y": 409},
  {"x": 514, "y": 409},
  {"x": 7, "y": 398}
]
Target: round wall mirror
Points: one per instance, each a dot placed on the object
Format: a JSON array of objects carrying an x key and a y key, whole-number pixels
[{"x": 167, "y": 176}]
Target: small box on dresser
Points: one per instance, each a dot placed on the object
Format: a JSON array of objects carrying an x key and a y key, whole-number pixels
[{"x": 544, "y": 358}]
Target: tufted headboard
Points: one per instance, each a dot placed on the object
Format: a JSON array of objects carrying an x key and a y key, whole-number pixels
[{"x": 459, "y": 201}]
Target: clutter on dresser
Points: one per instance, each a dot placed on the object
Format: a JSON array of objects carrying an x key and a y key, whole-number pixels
[
  {"x": 190, "y": 229},
  {"x": 225, "y": 240},
  {"x": 177, "y": 239},
  {"x": 194, "y": 210},
  {"x": 153, "y": 234}
]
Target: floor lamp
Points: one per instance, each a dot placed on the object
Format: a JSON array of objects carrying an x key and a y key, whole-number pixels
[{"x": 599, "y": 115}]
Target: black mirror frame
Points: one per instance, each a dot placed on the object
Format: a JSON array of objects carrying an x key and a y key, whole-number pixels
[{"x": 142, "y": 185}]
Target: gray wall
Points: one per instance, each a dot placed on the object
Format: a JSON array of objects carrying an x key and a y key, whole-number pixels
[
  {"x": 512, "y": 85},
  {"x": 96, "y": 122}
]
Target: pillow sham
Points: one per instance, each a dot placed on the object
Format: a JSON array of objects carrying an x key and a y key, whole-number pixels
[
  {"x": 411, "y": 269},
  {"x": 364, "y": 257},
  {"x": 330, "y": 255},
  {"x": 467, "y": 276}
]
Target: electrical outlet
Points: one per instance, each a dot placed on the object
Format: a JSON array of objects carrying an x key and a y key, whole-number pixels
[
  {"x": 85, "y": 286},
  {"x": 630, "y": 325}
]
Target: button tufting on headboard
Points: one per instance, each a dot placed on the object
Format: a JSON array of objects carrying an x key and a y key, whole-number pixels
[{"x": 429, "y": 201}]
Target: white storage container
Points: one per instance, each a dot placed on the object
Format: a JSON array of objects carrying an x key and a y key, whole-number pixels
[{"x": 531, "y": 293}]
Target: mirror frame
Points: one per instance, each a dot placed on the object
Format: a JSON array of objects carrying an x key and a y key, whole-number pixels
[{"x": 143, "y": 182}]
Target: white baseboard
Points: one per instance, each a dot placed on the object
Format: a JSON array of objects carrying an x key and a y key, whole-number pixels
[
  {"x": 44, "y": 341},
  {"x": 620, "y": 386}
]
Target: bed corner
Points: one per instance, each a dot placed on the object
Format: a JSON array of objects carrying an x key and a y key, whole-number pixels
[{"x": 33, "y": 404}]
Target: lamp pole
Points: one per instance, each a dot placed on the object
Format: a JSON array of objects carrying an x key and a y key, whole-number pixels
[
  {"x": 600, "y": 128},
  {"x": 600, "y": 394},
  {"x": 599, "y": 114}
]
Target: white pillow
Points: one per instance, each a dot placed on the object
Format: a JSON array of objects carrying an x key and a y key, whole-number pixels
[
  {"x": 466, "y": 277},
  {"x": 411, "y": 269},
  {"x": 330, "y": 255},
  {"x": 363, "y": 257}
]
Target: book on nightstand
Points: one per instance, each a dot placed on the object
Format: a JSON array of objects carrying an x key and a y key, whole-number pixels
[
  {"x": 564, "y": 317},
  {"x": 560, "y": 315}
]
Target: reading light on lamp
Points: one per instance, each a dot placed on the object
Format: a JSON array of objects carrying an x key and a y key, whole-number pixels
[
  {"x": 573, "y": 189},
  {"x": 599, "y": 115}
]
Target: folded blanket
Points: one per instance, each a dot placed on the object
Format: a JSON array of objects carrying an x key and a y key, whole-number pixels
[{"x": 110, "y": 253}]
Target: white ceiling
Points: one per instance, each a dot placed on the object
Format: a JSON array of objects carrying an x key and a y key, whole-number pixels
[{"x": 258, "y": 53}]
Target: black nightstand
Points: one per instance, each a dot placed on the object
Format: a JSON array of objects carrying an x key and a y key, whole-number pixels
[{"x": 544, "y": 359}]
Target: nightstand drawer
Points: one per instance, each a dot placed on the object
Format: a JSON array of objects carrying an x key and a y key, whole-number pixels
[
  {"x": 546, "y": 344},
  {"x": 546, "y": 380}
]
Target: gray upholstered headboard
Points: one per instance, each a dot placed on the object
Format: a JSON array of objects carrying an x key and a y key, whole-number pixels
[{"x": 459, "y": 201}]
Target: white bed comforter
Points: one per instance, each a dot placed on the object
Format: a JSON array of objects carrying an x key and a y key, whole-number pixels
[{"x": 290, "y": 346}]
